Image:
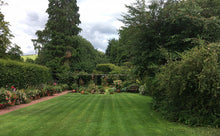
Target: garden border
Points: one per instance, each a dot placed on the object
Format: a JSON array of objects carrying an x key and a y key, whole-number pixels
[{"x": 17, "y": 107}]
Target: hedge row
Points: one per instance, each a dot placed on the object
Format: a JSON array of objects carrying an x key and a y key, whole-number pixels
[
  {"x": 22, "y": 75},
  {"x": 188, "y": 90}
]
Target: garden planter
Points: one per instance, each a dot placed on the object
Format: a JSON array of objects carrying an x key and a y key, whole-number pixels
[
  {"x": 82, "y": 92},
  {"x": 73, "y": 91},
  {"x": 118, "y": 90}
]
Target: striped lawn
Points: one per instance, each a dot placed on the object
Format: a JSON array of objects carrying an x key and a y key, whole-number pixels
[{"x": 94, "y": 115}]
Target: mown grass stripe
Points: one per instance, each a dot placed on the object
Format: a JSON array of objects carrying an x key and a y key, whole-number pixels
[{"x": 94, "y": 115}]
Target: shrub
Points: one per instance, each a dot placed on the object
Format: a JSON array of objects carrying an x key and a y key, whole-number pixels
[
  {"x": 142, "y": 89},
  {"x": 22, "y": 75},
  {"x": 74, "y": 86},
  {"x": 111, "y": 90},
  {"x": 65, "y": 86},
  {"x": 108, "y": 68},
  {"x": 118, "y": 84},
  {"x": 188, "y": 89},
  {"x": 57, "y": 89},
  {"x": 9, "y": 97},
  {"x": 124, "y": 89}
]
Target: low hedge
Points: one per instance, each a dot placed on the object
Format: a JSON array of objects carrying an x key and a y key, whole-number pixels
[{"x": 21, "y": 75}]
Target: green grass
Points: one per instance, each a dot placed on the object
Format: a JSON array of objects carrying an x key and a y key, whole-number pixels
[
  {"x": 33, "y": 57},
  {"x": 94, "y": 115}
]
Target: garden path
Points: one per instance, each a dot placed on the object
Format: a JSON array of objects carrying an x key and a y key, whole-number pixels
[{"x": 16, "y": 107}]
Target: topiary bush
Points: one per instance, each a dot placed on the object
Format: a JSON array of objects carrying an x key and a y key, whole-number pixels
[
  {"x": 22, "y": 75},
  {"x": 188, "y": 90}
]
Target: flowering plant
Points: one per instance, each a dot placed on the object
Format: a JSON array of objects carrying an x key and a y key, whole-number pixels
[
  {"x": 13, "y": 88},
  {"x": 118, "y": 84}
]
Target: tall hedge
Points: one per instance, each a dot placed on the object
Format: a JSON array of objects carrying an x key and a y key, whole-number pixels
[
  {"x": 188, "y": 90},
  {"x": 22, "y": 75}
]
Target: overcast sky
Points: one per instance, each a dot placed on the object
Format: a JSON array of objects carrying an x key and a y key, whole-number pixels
[{"x": 99, "y": 20}]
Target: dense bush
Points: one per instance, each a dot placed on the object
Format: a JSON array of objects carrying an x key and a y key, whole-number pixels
[
  {"x": 108, "y": 68},
  {"x": 188, "y": 89},
  {"x": 22, "y": 75}
]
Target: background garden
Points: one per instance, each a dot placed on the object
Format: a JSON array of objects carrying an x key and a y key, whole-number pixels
[{"x": 168, "y": 50}]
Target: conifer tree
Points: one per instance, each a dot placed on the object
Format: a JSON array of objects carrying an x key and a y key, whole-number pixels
[{"x": 55, "y": 44}]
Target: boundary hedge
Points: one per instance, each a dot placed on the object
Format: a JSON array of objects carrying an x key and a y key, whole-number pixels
[
  {"x": 21, "y": 75},
  {"x": 188, "y": 90}
]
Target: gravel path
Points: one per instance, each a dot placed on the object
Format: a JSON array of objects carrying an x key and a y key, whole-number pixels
[{"x": 16, "y": 107}]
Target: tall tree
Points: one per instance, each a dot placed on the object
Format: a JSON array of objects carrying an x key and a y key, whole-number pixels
[
  {"x": 167, "y": 26},
  {"x": 139, "y": 36},
  {"x": 55, "y": 44},
  {"x": 117, "y": 53},
  {"x": 15, "y": 53},
  {"x": 5, "y": 35}
]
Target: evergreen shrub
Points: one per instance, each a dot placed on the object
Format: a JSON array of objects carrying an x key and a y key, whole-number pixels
[{"x": 188, "y": 90}]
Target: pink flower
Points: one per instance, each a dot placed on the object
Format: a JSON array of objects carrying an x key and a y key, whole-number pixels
[{"x": 54, "y": 83}]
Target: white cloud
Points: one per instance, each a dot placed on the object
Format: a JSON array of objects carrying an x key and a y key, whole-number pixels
[{"x": 99, "y": 20}]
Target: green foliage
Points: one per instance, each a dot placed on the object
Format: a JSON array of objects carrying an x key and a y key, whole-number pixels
[
  {"x": 5, "y": 36},
  {"x": 56, "y": 44},
  {"x": 28, "y": 60},
  {"x": 74, "y": 86},
  {"x": 9, "y": 97},
  {"x": 174, "y": 26},
  {"x": 116, "y": 52},
  {"x": 6, "y": 49},
  {"x": 187, "y": 90},
  {"x": 15, "y": 53},
  {"x": 65, "y": 75},
  {"x": 86, "y": 56},
  {"x": 22, "y": 75},
  {"x": 108, "y": 68},
  {"x": 65, "y": 86}
]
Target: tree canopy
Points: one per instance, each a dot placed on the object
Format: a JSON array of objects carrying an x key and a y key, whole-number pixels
[
  {"x": 56, "y": 44},
  {"x": 6, "y": 49},
  {"x": 152, "y": 32},
  {"x": 5, "y": 35}
]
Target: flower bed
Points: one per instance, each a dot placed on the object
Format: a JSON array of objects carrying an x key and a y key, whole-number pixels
[{"x": 9, "y": 97}]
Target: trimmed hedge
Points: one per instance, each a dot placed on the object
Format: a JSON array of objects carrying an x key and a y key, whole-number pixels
[{"x": 21, "y": 75}]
